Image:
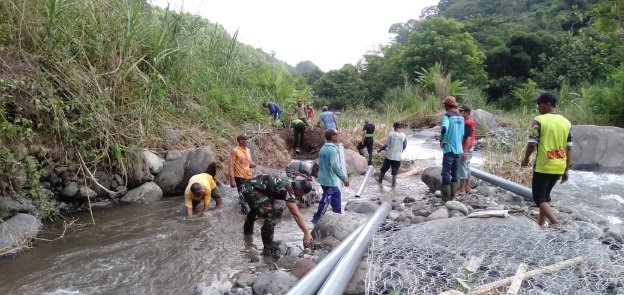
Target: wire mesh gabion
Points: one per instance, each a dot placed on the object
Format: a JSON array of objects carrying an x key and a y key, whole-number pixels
[{"x": 414, "y": 259}]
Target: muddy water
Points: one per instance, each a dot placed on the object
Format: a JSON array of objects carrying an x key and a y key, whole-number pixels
[{"x": 153, "y": 249}]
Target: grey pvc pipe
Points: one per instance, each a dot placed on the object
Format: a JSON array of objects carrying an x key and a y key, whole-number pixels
[
  {"x": 340, "y": 277},
  {"x": 511, "y": 186},
  {"x": 366, "y": 176},
  {"x": 314, "y": 279}
]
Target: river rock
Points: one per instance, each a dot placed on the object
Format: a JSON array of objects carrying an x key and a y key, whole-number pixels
[
  {"x": 104, "y": 179},
  {"x": 441, "y": 213},
  {"x": 239, "y": 291},
  {"x": 18, "y": 231},
  {"x": 432, "y": 177},
  {"x": 456, "y": 205},
  {"x": 616, "y": 232},
  {"x": 173, "y": 155},
  {"x": 245, "y": 279},
  {"x": 339, "y": 226},
  {"x": 274, "y": 282},
  {"x": 357, "y": 284},
  {"x": 483, "y": 120},
  {"x": 356, "y": 163},
  {"x": 215, "y": 288},
  {"x": 287, "y": 262},
  {"x": 70, "y": 190},
  {"x": 84, "y": 192},
  {"x": 11, "y": 206},
  {"x": 302, "y": 267},
  {"x": 588, "y": 230},
  {"x": 361, "y": 206},
  {"x": 598, "y": 148},
  {"x": 154, "y": 163},
  {"x": 146, "y": 193}
]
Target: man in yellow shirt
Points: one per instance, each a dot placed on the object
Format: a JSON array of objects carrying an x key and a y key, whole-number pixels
[
  {"x": 240, "y": 168},
  {"x": 201, "y": 187},
  {"x": 551, "y": 135}
]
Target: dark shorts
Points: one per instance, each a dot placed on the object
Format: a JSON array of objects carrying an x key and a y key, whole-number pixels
[{"x": 542, "y": 185}]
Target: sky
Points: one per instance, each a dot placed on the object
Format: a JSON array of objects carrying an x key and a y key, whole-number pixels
[{"x": 327, "y": 33}]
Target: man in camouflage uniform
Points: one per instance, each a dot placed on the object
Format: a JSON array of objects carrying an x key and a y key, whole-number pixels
[{"x": 261, "y": 192}]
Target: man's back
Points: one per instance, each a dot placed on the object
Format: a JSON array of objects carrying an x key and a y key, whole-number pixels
[
  {"x": 453, "y": 122},
  {"x": 395, "y": 148},
  {"x": 328, "y": 120},
  {"x": 553, "y": 131}
]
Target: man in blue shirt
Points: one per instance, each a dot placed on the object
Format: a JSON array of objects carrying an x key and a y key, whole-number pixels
[
  {"x": 451, "y": 138},
  {"x": 396, "y": 144},
  {"x": 328, "y": 119},
  {"x": 274, "y": 110},
  {"x": 329, "y": 175}
]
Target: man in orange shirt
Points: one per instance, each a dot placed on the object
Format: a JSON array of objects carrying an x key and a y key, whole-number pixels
[{"x": 240, "y": 168}]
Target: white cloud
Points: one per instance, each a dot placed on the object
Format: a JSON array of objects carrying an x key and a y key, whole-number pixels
[{"x": 328, "y": 33}]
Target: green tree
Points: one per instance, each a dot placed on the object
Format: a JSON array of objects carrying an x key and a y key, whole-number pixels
[
  {"x": 442, "y": 40},
  {"x": 341, "y": 88}
]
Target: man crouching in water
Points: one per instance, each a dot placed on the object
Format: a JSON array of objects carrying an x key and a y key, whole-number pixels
[
  {"x": 261, "y": 192},
  {"x": 201, "y": 187}
]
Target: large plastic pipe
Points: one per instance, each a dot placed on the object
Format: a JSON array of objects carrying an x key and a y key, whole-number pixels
[
  {"x": 366, "y": 176},
  {"x": 343, "y": 162},
  {"x": 340, "y": 277},
  {"x": 312, "y": 281},
  {"x": 511, "y": 186}
]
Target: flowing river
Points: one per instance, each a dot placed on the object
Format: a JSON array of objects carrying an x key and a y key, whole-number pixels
[{"x": 154, "y": 249}]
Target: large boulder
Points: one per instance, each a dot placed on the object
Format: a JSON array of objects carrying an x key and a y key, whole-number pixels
[
  {"x": 356, "y": 163},
  {"x": 339, "y": 226},
  {"x": 18, "y": 231},
  {"x": 175, "y": 174},
  {"x": 598, "y": 148},
  {"x": 146, "y": 193},
  {"x": 432, "y": 177},
  {"x": 11, "y": 206},
  {"x": 139, "y": 171},
  {"x": 483, "y": 120}
]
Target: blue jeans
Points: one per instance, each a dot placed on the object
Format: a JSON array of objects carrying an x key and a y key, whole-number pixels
[
  {"x": 450, "y": 168},
  {"x": 331, "y": 196}
]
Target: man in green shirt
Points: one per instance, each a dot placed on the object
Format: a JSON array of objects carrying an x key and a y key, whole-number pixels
[
  {"x": 299, "y": 128},
  {"x": 329, "y": 174},
  {"x": 550, "y": 134}
]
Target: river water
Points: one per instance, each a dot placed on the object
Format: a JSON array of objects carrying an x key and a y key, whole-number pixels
[{"x": 154, "y": 249}]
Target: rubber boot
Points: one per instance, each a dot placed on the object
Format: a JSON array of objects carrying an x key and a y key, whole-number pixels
[
  {"x": 266, "y": 232},
  {"x": 454, "y": 187},
  {"x": 381, "y": 177},
  {"x": 446, "y": 193},
  {"x": 219, "y": 203},
  {"x": 393, "y": 180},
  {"x": 249, "y": 225}
]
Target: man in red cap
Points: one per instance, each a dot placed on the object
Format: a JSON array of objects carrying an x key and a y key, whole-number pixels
[
  {"x": 451, "y": 137},
  {"x": 551, "y": 134}
]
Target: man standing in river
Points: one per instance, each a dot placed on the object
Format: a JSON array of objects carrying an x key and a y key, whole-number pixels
[
  {"x": 240, "y": 168},
  {"x": 467, "y": 147},
  {"x": 551, "y": 134},
  {"x": 261, "y": 192},
  {"x": 396, "y": 144},
  {"x": 451, "y": 137}
]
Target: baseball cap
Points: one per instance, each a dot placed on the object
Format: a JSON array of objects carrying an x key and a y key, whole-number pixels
[
  {"x": 241, "y": 137},
  {"x": 545, "y": 97},
  {"x": 450, "y": 101},
  {"x": 367, "y": 120}
]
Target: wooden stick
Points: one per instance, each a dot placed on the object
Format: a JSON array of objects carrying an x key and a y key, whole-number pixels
[
  {"x": 517, "y": 281},
  {"x": 487, "y": 288}
]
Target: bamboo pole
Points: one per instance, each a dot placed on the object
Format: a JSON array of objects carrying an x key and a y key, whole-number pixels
[
  {"x": 485, "y": 289},
  {"x": 517, "y": 281}
]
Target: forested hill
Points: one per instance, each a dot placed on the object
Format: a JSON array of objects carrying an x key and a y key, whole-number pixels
[{"x": 504, "y": 51}]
